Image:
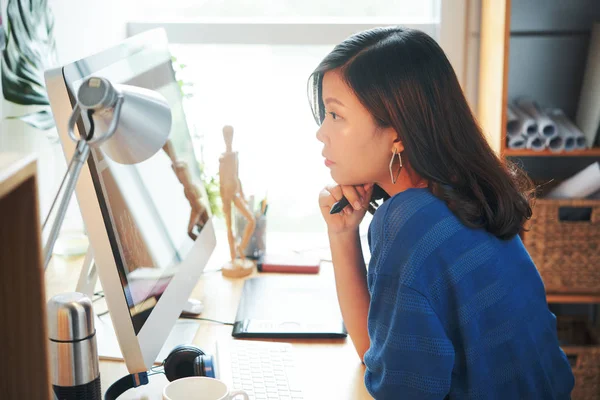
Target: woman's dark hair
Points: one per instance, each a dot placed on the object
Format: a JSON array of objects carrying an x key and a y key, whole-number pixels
[{"x": 405, "y": 81}]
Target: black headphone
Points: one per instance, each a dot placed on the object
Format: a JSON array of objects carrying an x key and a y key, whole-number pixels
[
  {"x": 182, "y": 361},
  {"x": 186, "y": 360}
]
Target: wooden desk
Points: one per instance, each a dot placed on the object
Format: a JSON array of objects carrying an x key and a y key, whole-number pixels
[{"x": 330, "y": 368}]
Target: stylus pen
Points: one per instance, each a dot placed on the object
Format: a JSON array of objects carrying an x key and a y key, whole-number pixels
[{"x": 339, "y": 206}]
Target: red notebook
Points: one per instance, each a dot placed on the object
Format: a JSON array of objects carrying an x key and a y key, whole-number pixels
[{"x": 293, "y": 263}]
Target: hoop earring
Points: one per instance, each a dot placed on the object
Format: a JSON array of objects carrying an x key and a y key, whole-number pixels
[{"x": 395, "y": 178}]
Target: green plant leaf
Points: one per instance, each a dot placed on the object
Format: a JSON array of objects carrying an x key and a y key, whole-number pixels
[
  {"x": 214, "y": 197},
  {"x": 213, "y": 191},
  {"x": 30, "y": 50},
  {"x": 41, "y": 120}
]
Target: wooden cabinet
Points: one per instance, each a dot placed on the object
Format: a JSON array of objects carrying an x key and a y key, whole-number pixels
[
  {"x": 535, "y": 48},
  {"x": 539, "y": 49},
  {"x": 24, "y": 371}
]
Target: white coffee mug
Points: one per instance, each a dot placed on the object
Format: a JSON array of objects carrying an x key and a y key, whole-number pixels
[{"x": 200, "y": 388}]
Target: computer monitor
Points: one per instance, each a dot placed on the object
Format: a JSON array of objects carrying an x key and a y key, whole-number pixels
[{"x": 136, "y": 216}]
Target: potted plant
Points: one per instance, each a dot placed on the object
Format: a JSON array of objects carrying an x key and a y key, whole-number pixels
[{"x": 29, "y": 50}]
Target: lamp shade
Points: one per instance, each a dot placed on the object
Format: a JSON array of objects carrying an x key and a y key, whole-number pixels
[
  {"x": 129, "y": 123},
  {"x": 132, "y": 123}
]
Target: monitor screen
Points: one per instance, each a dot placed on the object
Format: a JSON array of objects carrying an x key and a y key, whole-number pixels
[{"x": 147, "y": 213}]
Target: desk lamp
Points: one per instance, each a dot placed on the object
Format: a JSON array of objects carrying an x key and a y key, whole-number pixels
[{"x": 136, "y": 122}]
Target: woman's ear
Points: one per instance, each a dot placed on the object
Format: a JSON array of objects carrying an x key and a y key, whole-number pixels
[
  {"x": 398, "y": 146},
  {"x": 395, "y": 142}
]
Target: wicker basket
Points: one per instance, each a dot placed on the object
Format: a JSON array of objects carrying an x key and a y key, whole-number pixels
[
  {"x": 566, "y": 253},
  {"x": 581, "y": 343}
]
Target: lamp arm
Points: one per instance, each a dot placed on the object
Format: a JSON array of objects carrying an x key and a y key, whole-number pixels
[
  {"x": 98, "y": 140},
  {"x": 82, "y": 151},
  {"x": 72, "y": 121}
]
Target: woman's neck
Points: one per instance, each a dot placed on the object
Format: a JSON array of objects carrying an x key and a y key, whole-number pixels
[{"x": 403, "y": 183}]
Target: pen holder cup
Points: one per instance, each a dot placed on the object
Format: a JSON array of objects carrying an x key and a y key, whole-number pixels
[{"x": 258, "y": 241}]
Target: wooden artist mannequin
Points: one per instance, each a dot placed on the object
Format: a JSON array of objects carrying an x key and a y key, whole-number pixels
[
  {"x": 231, "y": 192},
  {"x": 199, "y": 214}
]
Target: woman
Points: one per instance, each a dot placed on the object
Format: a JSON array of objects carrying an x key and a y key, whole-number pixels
[{"x": 451, "y": 305}]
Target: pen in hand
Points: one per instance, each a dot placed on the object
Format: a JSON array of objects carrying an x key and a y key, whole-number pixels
[
  {"x": 339, "y": 206},
  {"x": 377, "y": 194}
]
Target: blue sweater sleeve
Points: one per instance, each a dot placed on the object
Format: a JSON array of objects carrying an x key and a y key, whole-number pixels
[{"x": 410, "y": 356}]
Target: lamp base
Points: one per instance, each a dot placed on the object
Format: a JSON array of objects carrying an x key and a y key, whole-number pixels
[{"x": 238, "y": 268}]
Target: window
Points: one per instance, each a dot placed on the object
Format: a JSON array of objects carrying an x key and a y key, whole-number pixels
[
  {"x": 249, "y": 62},
  {"x": 404, "y": 10}
]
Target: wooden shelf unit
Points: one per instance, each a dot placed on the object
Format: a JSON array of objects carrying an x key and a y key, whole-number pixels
[
  {"x": 531, "y": 28},
  {"x": 25, "y": 372},
  {"x": 535, "y": 48},
  {"x": 573, "y": 298},
  {"x": 595, "y": 152}
]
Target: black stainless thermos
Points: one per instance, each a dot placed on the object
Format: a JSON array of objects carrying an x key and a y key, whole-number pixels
[{"x": 73, "y": 351}]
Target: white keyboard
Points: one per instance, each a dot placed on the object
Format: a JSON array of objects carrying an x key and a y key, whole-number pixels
[{"x": 265, "y": 370}]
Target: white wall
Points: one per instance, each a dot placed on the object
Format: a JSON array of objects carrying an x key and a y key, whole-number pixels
[
  {"x": 84, "y": 27},
  {"x": 473, "y": 42},
  {"x": 459, "y": 37}
]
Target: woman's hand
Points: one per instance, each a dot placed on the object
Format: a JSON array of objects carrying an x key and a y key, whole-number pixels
[{"x": 350, "y": 217}]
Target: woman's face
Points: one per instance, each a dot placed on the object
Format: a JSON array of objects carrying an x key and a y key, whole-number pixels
[{"x": 356, "y": 150}]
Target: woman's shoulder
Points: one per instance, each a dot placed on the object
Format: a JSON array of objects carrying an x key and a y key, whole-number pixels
[
  {"x": 415, "y": 226},
  {"x": 407, "y": 217},
  {"x": 412, "y": 200},
  {"x": 408, "y": 209}
]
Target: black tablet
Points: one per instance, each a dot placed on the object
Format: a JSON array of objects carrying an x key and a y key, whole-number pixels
[{"x": 288, "y": 307}]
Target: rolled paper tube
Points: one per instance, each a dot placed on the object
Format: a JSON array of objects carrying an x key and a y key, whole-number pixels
[
  {"x": 570, "y": 142},
  {"x": 514, "y": 124},
  {"x": 581, "y": 142},
  {"x": 587, "y": 116},
  {"x": 567, "y": 137},
  {"x": 566, "y": 125},
  {"x": 536, "y": 143},
  {"x": 556, "y": 144},
  {"x": 517, "y": 142},
  {"x": 580, "y": 185},
  {"x": 546, "y": 127},
  {"x": 517, "y": 118}
]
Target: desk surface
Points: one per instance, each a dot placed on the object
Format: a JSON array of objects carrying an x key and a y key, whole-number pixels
[{"x": 330, "y": 368}]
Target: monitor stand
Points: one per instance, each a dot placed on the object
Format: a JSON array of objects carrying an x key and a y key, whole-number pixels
[
  {"x": 88, "y": 277},
  {"x": 183, "y": 332}
]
